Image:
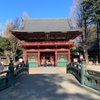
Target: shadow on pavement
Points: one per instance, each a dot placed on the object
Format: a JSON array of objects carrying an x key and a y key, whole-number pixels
[{"x": 42, "y": 87}]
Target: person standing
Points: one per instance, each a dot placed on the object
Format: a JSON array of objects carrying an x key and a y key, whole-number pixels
[{"x": 1, "y": 66}]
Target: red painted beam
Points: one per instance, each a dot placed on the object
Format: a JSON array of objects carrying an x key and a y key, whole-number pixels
[
  {"x": 47, "y": 50},
  {"x": 25, "y": 56},
  {"x": 38, "y": 57},
  {"x": 47, "y": 43},
  {"x": 69, "y": 55},
  {"x": 56, "y": 57}
]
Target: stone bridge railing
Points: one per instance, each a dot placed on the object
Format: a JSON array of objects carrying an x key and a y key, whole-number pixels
[
  {"x": 9, "y": 77},
  {"x": 86, "y": 77}
]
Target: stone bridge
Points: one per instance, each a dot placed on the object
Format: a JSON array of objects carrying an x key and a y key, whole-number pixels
[{"x": 48, "y": 83}]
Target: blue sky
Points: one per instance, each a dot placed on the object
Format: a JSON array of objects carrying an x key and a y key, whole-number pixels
[{"x": 10, "y": 9}]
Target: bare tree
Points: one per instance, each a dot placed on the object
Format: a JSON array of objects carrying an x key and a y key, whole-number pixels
[
  {"x": 0, "y": 30},
  {"x": 16, "y": 23},
  {"x": 88, "y": 42},
  {"x": 25, "y": 15},
  {"x": 13, "y": 40},
  {"x": 80, "y": 19}
]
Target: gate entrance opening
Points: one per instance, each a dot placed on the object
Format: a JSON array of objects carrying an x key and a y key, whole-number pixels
[{"x": 47, "y": 58}]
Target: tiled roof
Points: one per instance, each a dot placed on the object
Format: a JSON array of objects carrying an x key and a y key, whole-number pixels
[{"x": 46, "y": 25}]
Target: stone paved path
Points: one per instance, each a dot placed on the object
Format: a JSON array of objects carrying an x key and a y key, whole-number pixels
[
  {"x": 94, "y": 67},
  {"x": 48, "y": 84}
]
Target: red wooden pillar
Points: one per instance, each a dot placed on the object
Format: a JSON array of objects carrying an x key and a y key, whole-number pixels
[
  {"x": 69, "y": 55},
  {"x": 56, "y": 57},
  {"x": 24, "y": 55},
  {"x": 38, "y": 58}
]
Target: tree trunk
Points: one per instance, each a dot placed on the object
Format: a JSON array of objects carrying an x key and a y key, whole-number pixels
[
  {"x": 6, "y": 53},
  {"x": 98, "y": 40},
  {"x": 86, "y": 56},
  {"x": 85, "y": 28}
]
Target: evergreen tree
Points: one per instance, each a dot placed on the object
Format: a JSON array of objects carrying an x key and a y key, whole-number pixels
[
  {"x": 93, "y": 15},
  {"x": 86, "y": 14}
]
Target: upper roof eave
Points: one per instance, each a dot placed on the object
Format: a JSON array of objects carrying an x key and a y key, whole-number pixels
[
  {"x": 25, "y": 31},
  {"x": 31, "y": 25}
]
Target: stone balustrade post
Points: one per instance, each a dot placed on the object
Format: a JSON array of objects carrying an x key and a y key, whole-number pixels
[
  {"x": 83, "y": 71},
  {"x": 27, "y": 65},
  {"x": 11, "y": 74}
]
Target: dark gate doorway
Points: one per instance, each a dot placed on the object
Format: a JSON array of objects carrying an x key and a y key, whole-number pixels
[{"x": 47, "y": 59}]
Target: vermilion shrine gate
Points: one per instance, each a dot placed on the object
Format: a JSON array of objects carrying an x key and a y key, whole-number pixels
[{"x": 46, "y": 40}]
